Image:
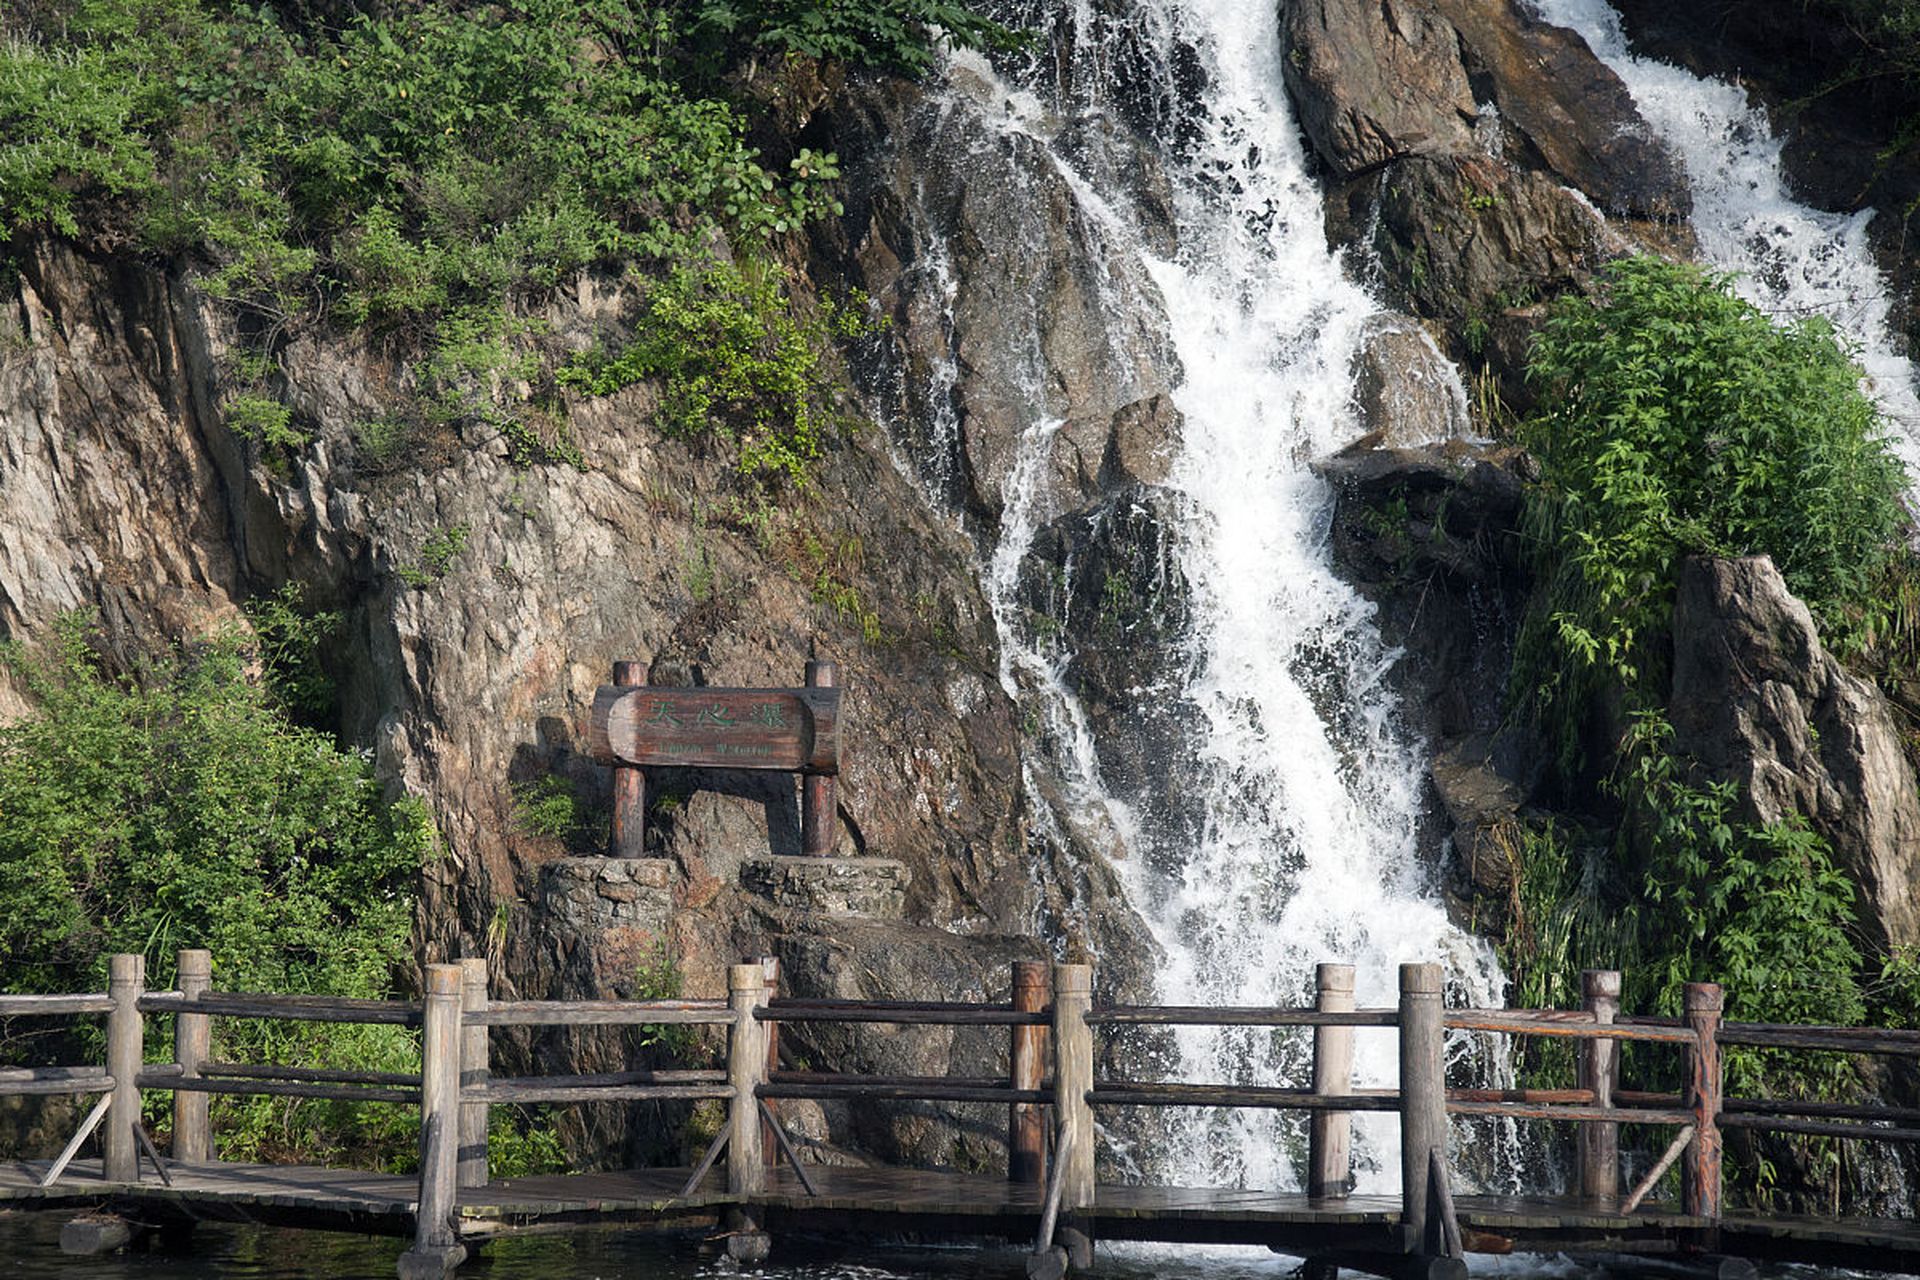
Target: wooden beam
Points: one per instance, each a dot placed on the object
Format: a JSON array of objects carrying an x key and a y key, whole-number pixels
[
  {"x": 1423, "y": 1092},
  {"x": 1026, "y": 1066},
  {"x": 819, "y": 824},
  {"x": 126, "y": 980},
  {"x": 192, "y": 1042},
  {"x": 471, "y": 1170},
  {"x": 1073, "y": 1079},
  {"x": 629, "y": 834},
  {"x": 1329, "y": 1132},
  {"x": 1701, "y": 1173},
  {"x": 746, "y": 1072}
]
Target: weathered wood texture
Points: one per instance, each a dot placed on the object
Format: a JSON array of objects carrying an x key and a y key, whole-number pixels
[
  {"x": 475, "y": 1070},
  {"x": 29, "y": 1006},
  {"x": 1180, "y": 1094},
  {"x": 583, "y": 1013},
  {"x": 1330, "y": 1133},
  {"x": 819, "y": 825},
  {"x": 1073, "y": 1079},
  {"x": 1026, "y": 1068},
  {"x": 192, "y": 1041},
  {"x": 1700, "y": 1175},
  {"x": 746, "y": 1072},
  {"x": 1230, "y": 1016},
  {"x": 287, "y": 1008},
  {"x": 126, "y": 979},
  {"x": 439, "y": 1108},
  {"x": 770, "y": 1130},
  {"x": 791, "y": 730},
  {"x": 1423, "y": 1092},
  {"x": 1597, "y": 1146},
  {"x": 629, "y": 833},
  {"x": 904, "y": 1012}
]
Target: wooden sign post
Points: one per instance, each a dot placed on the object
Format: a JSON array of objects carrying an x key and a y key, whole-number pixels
[{"x": 637, "y": 726}]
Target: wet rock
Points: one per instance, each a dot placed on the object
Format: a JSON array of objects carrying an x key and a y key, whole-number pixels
[
  {"x": 1431, "y": 535},
  {"x": 1104, "y": 584},
  {"x": 1758, "y": 701},
  {"x": 1407, "y": 392}
]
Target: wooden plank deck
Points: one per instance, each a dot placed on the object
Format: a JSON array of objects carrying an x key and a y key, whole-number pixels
[{"x": 931, "y": 1205}]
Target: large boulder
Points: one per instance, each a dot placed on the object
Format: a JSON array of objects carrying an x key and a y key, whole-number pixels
[
  {"x": 1473, "y": 149},
  {"x": 1758, "y": 701}
]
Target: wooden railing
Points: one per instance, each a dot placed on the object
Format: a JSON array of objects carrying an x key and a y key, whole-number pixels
[{"x": 1051, "y": 1021}]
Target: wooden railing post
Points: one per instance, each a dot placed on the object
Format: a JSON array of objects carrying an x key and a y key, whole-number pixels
[
  {"x": 126, "y": 983},
  {"x": 1700, "y": 1175},
  {"x": 1073, "y": 1079},
  {"x": 192, "y": 1042},
  {"x": 1330, "y": 1133},
  {"x": 770, "y": 1032},
  {"x": 819, "y": 828},
  {"x": 629, "y": 783},
  {"x": 436, "y": 1243},
  {"x": 1026, "y": 1066},
  {"x": 746, "y": 1071},
  {"x": 474, "y": 1071},
  {"x": 1598, "y": 1145},
  {"x": 1423, "y": 1096}
]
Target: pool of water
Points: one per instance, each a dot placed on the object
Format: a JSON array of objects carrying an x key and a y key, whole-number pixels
[{"x": 30, "y": 1249}]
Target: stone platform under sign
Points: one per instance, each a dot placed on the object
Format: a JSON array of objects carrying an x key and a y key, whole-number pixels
[
  {"x": 610, "y": 893},
  {"x": 874, "y": 887}
]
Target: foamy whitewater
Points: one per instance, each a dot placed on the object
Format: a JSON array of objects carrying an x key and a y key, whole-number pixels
[
  {"x": 1791, "y": 259},
  {"x": 1312, "y": 789}
]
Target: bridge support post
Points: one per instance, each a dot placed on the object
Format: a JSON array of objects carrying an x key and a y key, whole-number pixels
[
  {"x": 192, "y": 1042},
  {"x": 1072, "y": 1080},
  {"x": 474, "y": 1070},
  {"x": 436, "y": 1244},
  {"x": 629, "y": 837},
  {"x": 1423, "y": 1099},
  {"x": 819, "y": 828},
  {"x": 747, "y": 991},
  {"x": 1700, "y": 1174},
  {"x": 770, "y": 1032},
  {"x": 1598, "y": 1145},
  {"x": 1026, "y": 1067},
  {"x": 1330, "y": 1133},
  {"x": 126, "y": 983}
]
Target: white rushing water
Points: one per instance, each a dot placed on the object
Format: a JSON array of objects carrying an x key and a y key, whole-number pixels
[
  {"x": 1312, "y": 791},
  {"x": 1791, "y": 259}
]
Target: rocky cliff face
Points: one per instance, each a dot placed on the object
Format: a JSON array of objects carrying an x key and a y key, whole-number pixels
[{"x": 468, "y": 672}]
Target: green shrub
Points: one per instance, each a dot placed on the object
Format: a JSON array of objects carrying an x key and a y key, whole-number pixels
[
  {"x": 897, "y": 35},
  {"x": 1677, "y": 418},
  {"x": 263, "y": 420},
  {"x": 176, "y": 808},
  {"x": 735, "y": 361}
]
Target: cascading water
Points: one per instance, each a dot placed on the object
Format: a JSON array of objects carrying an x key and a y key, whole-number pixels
[
  {"x": 1310, "y": 794},
  {"x": 1791, "y": 259}
]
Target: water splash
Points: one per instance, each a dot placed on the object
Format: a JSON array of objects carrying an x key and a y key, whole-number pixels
[{"x": 1792, "y": 259}]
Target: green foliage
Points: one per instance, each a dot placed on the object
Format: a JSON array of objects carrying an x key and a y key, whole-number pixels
[
  {"x": 263, "y": 420},
  {"x": 291, "y": 640},
  {"x": 897, "y": 35},
  {"x": 735, "y": 361},
  {"x": 437, "y": 554},
  {"x": 426, "y": 170},
  {"x": 547, "y": 806},
  {"x": 177, "y": 808},
  {"x": 522, "y": 1142},
  {"x": 1679, "y": 419},
  {"x": 1676, "y": 419}
]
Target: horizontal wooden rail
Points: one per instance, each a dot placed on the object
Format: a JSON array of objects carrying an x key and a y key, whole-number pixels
[
  {"x": 599, "y": 1013},
  {"x": 905, "y": 1089},
  {"x": 1149, "y": 1015},
  {"x": 1131, "y": 1093},
  {"x": 1828, "y": 1110},
  {"x": 43, "y": 1006},
  {"x": 536, "y": 1089},
  {"x": 1585, "y": 1028},
  {"x": 1590, "y": 1115},
  {"x": 1544, "y": 1096},
  {"x": 904, "y": 1012},
  {"x": 22, "y": 1081},
  {"x": 1872, "y": 1040},
  {"x": 611, "y": 1078},
  {"x": 1819, "y": 1128},
  {"x": 318, "y": 1075},
  {"x": 287, "y": 1008},
  {"x": 276, "y": 1088}
]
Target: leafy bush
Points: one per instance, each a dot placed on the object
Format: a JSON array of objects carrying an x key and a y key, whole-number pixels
[
  {"x": 735, "y": 360},
  {"x": 898, "y": 35},
  {"x": 1680, "y": 419},
  {"x": 176, "y": 808}
]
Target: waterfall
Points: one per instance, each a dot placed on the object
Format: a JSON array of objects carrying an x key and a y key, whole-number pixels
[
  {"x": 1310, "y": 791},
  {"x": 1791, "y": 259}
]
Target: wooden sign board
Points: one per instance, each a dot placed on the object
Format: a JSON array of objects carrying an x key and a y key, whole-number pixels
[{"x": 796, "y": 730}]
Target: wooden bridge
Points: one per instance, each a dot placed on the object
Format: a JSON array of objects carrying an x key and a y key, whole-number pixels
[{"x": 1051, "y": 1092}]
